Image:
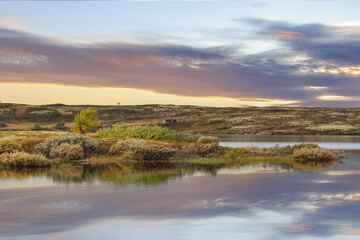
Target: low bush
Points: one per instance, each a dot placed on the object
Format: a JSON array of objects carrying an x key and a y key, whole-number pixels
[
  {"x": 9, "y": 145},
  {"x": 236, "y": 153},
  {"x": 138, "y": 149},
  {"x": 28, "y": 143},
  {"x": 199, "y": 150},
  {"x": 126, "y": 145},
  {"x": 67, "y": 152},
  {"x": 89, "y": 145},
  {"x": 305, "y": 145},
  {"x": 38, "y": 127},
  {"x": 208, "y": 140},
  {"x": 60, "y": 125},
  {"x": 149, "y": 132},
  {"x": 317, "y": 154},
  {"x": 285, "y": 151},
  {"x": 21, "y": 159},
  {"x": 153, "y": 153}
]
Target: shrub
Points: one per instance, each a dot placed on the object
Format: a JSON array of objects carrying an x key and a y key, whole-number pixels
[
  {"x": 67, "y": 152},
  {"x": 198, "y": 150},
  {"x": 9, "y": 145},
  {"x": 149, "y": 132},
  {"x": 86, "y": 121},
  {"x": 151, "y": 152},
  {"x": 208, "y": 139},
  {"x": 305, "y": 145},
  {"x": 317, "y": 154},
  {"x": 28, "y": 143},
  {"x": 236, "y": 153},
  {"x": 138, "y": 149},
  {"x": 60, "y": 125},
  {"x": 90, "y": 146},
  {"x": 125, "y": 145},
  {"x": 36, "y": 127},
  {"x": 21, "y": 159}
]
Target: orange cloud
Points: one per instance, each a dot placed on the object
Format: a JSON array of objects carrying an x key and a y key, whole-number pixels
[
  {"x": 299, "y": 227},
  {"x": 287, "y": 34},
  {"x": 11, "y": 23}
]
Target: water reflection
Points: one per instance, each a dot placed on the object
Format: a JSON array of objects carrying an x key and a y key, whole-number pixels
[
  {"x": 152, "y": 173},
  {"x": 329, "y": 142},
  {"x": 180, "y": 201}
]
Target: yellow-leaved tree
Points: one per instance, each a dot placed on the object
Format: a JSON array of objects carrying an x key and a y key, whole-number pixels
[{"x": 86, "y": 121}]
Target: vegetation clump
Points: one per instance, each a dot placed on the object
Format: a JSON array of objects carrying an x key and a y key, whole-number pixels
[
  {"x": 317, "y": 154},
  {"x": 149, "y": 132},
  {"x": 21, "y": 159},
  {"x": 67, "y": 152},
  {"x": 194, "y": 150},
  {"x": 208, "y": 140},
  {"x": 89, "y": 145},
  {"x": 9, "y": 145},
  {"x": 60, "y": 125},
  {"x": 28, "y": 143},
  {"x": 86, "y": 121},
  {"x": 140, "y": 150}
]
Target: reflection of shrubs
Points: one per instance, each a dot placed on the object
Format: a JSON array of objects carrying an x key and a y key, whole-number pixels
[
  {"x": 317, "y": 154},
  {"x": 9, "y": 145},
  {"x": 208, "y": 139},
  {"x": 89, "y": 145},
  {"x": 67, "y": 152},
  {"x": 21, "y": 159}
]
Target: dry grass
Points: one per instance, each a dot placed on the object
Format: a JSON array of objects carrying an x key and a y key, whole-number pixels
[{"x": 194, "y": 119}]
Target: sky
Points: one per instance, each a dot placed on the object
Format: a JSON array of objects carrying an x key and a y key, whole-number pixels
[{"x": 220, "y": 53}]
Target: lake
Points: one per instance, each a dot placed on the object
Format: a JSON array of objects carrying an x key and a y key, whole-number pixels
[{"x": 188, "y": 201}]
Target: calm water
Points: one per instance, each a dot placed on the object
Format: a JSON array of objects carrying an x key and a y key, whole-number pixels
[{"x": 177, "y": 201}]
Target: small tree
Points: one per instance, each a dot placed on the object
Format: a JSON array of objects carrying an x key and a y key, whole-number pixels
[{"x": 86, "y": 121}]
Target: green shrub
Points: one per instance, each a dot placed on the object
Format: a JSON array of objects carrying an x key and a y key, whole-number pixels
[
  {"x": 208, "y": 140},
  {"x": 89, "y": 145},
  {"x": 60, "y": 125},
  {"x": 236, "y": 153},
  {"x": 149, "y": 132},
  {"x": 21, "y": 159},
  {"x": 190, "y": 138},
  {"x": 317, "y": 154},
  {"x": 9, "y": 145},
  {"x": 67, "y": 152},
  {"x": 36, "y": 127}
]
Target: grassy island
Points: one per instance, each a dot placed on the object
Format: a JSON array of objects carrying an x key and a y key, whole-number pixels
[{"x": 124, "y": 143}]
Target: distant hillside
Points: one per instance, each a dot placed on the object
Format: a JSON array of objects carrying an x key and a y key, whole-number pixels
[{"x": 194, "y": 119}]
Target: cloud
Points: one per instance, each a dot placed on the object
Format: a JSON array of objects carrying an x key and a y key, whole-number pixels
[
  {"x": 11, "y": 23},
  {"x": 286, "y": 34},
  {"x": 282, "y": 73}
]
